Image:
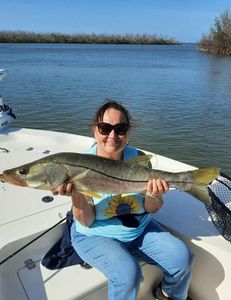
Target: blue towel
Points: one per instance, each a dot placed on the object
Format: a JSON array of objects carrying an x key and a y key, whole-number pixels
[{"x": 62, "y": 254}]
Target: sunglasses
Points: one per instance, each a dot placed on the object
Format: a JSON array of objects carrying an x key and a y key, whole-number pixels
[{"x": 106, "y": 128}]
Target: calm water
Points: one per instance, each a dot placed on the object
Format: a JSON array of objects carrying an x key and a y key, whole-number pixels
[{"x": 180, "y": 99}]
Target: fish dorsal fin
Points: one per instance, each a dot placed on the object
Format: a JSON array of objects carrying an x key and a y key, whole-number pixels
[{"x": 143, "y": 160}]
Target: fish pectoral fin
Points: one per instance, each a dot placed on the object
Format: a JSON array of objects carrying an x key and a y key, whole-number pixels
[
  {"x": 80, "y": 176},
  {"x": 201, "y": 193},
  {"x": 80, "y": 185},
  {"x": 90, "y": 193},
  {"x": 142, "y": 160}
]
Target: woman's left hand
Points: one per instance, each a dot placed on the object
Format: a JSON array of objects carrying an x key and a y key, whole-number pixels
[
  {"x": 157, "y": 187},
  {"x": 153, "y": 200}
]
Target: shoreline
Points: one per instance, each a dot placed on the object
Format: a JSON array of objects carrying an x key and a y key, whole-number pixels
[{"x": 59, "y": 38}]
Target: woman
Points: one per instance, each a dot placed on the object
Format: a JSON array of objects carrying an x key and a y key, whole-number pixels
[{"x": 113, "y": 238}]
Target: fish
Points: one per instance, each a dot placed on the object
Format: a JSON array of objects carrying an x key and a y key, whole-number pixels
[{"x": 95, "y": 175}]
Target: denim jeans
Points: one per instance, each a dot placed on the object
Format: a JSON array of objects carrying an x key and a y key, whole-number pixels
[{"x": 118, "y": 261}]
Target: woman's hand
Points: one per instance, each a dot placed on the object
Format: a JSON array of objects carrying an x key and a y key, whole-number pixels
[
  {"x": 82, "y": 205},
  {"x": 65, "y": 189},
  {"x": 155, "y": 188}
]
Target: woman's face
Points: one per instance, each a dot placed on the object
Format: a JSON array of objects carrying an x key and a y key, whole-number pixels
[{"x": 111, "y": 145}]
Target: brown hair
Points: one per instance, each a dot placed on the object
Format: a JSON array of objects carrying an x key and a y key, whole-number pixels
[{"x": 111, "y": 104}]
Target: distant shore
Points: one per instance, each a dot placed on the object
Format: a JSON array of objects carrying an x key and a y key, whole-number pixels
[{"x": 31, "y": 37}]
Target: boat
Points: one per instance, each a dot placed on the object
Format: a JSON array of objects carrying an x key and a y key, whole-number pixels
[
  {"x": 6, "y": 114},
  {"x": 32, "y": 221}
]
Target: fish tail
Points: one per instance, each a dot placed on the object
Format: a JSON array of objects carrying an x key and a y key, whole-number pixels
[
  {"x": 205, "y": 175},
  {"x": 201, "y": 179}
]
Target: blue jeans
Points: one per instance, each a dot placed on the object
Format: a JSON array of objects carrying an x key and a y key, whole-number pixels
[{"x": 118, "y": 261}]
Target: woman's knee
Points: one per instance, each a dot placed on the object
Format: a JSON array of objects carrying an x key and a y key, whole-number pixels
[
  {"x": 183, "y": 260},
  {"x": 129, "y": 274}
]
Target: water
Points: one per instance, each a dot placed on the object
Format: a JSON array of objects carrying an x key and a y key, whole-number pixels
[{"x": 180, "y": 99}]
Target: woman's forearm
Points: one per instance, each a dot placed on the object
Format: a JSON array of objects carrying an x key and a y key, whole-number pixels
[{"x": 83, "y": 209}]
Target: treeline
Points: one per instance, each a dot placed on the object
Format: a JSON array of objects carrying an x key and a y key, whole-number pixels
[
  {"x": 31, "y": 37},
  {"x": 218, "y": 41}
]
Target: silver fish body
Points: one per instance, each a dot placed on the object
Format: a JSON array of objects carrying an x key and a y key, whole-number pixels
[{"x": 94, "y": 174}]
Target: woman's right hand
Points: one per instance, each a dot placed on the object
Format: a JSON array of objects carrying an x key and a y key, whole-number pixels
[
  {"x": 65, "y": 189},
  {"x": 82, "y": 205}
]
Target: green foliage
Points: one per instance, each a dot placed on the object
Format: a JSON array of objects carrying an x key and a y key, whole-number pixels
[
  {"x": 219, "y": 39},
  {"x": 31, "y": 37}
]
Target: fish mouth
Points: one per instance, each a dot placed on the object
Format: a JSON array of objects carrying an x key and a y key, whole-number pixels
[{"x": 11, "y": 179}]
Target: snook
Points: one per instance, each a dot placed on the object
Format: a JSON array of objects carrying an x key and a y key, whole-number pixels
[{"x": 94, "y": 174}]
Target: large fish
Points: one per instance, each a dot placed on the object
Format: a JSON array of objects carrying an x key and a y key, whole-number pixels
[{"x": 93, "y": 175}]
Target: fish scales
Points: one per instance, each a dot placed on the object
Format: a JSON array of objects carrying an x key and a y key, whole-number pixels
[{"x": 102, "y": 175}]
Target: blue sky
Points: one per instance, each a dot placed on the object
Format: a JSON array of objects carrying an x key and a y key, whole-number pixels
[{"x": 184, "y": 20}]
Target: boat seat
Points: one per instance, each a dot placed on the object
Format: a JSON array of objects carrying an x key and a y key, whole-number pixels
[{"x": 89, "y": 284}]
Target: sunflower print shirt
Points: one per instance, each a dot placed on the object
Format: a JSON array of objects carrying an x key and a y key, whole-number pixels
[{"x": 117, "y": 205}]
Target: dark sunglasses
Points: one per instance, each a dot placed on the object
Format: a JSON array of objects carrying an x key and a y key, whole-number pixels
[{"x": 106, "y": 128}]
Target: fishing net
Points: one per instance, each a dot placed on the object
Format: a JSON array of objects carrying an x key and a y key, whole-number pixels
[{"x": 220, "y": 208}]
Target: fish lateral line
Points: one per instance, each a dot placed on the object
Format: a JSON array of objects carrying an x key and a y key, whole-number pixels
[{"x": 110, "y": 176}]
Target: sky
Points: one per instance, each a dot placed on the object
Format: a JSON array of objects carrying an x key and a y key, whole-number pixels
[{"x": 183, "y": 20}]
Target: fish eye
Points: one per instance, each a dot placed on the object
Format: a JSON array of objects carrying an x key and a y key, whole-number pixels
[{"x": 23, "y": 171}]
